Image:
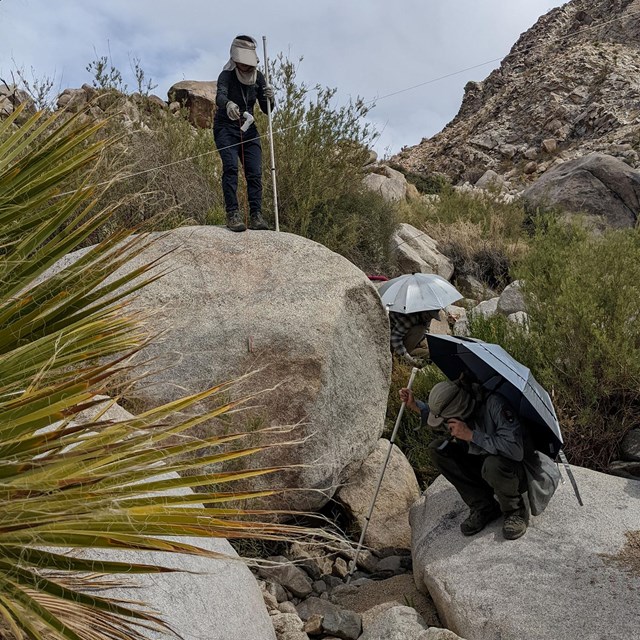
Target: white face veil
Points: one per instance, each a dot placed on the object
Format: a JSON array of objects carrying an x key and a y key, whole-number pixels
[{"x": 244, "y": 52}]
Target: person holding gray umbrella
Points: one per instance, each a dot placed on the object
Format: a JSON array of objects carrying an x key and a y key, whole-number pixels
[{"x": 482, "y": 455}]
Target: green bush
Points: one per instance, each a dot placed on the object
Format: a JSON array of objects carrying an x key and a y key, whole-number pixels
[
  {"x": 430, "y": 184},
  {"x": 583, "y": 346},
  {"x": 320, "y": 153},
  {"x": 412, "y": 439}
]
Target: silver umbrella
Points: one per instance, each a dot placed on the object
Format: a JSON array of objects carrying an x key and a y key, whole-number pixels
[{"x": 415, "y": 292}]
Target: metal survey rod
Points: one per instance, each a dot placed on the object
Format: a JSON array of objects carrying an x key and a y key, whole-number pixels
[{"x": 273, "y": 159}]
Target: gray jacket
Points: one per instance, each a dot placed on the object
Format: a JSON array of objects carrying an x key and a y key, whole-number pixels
[{"x": 496, "y": 428}]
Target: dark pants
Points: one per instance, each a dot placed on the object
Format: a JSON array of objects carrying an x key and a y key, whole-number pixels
[
  {"x": 232, "y": 145},
  {"x": 478, "y": 478}
]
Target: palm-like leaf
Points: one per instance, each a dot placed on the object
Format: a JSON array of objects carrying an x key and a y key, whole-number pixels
[{"x": 102, "y": 484}]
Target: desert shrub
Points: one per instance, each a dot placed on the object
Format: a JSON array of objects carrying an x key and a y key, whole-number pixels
[
  {"x": 426, "y": 183},
  {"x": 357, "y": 225},
  {"x": 320, "y": 152},
  {"x": 412, "y": 439},
  {"x": 482, "y": 235},
  {"x": 583, "y": 345},
  {"x": 163, "y": 173}
]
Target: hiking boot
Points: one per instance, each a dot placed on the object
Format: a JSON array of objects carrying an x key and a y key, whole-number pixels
[
  {"x": 515, "y": 524},
  {"x": 478, "y": 519},
  {"x": 257, "y": 222},
  {"x": 234, "y": 221}
]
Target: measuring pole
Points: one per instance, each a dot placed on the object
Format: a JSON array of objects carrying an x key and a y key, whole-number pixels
[
  {"x": 273, "y": 159},
  {"x": 384, "y": 468}
]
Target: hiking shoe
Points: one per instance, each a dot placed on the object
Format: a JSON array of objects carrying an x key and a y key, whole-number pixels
[
  {"x": 234, "y": 221},
  {"x": 478, "y": 519},
  {"x": 257, "y": 222},
  {"x": 515, "y": 524}
]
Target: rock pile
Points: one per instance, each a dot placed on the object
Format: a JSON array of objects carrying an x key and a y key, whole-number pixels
[
  {"x": 568, "y": 87},
  {"x": 307, "y": 597}
]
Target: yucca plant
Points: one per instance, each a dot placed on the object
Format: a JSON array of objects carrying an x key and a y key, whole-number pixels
[{"x": 63, "y": 336}]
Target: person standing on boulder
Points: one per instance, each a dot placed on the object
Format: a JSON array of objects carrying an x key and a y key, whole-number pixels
[
  {"x": 240, "y": 84},
  {"x": 482, "y": 457}
]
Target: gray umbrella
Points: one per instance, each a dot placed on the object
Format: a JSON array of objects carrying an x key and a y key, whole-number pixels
[{"x": 416, "y": 292}]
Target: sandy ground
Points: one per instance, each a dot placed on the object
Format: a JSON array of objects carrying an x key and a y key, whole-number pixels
[{"x": 399, "y": 588}]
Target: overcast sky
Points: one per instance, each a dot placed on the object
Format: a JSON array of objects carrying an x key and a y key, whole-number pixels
[{"x": 367, "y": 48}]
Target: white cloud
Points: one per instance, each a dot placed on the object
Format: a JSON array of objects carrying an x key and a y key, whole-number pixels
[{"x": 368, "y": 49}]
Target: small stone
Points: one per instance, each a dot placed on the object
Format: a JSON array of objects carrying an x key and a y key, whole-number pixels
[
  {"x": 287, "y": 607},
  {"x": 549, "y": 145},
  {"x": 319, "y": 586},
  {"x": 340, "y": 568},
  {"x": 530, "y": 167},
  {"x": 313, "y": 626}
]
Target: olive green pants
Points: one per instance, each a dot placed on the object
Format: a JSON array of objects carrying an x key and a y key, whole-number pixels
[{"x": 479, "y": 478}]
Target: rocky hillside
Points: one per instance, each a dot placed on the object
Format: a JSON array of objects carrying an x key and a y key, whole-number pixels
[{"x": 568, "y": 87}]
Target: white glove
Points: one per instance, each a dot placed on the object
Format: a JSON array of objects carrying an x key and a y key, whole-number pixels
[
  {"x": 233, "y": 110},
  {"x": 269, "y": 93}
]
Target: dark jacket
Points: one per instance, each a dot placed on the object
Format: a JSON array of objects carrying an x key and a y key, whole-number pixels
[
  {"x": 497, "y": 429},
  {"x": 245, "y": 96}
]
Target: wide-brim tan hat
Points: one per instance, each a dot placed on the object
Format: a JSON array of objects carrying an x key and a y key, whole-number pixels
[
  {"x": 244, "y": 52},
  {"x": 448, "y": 400}
]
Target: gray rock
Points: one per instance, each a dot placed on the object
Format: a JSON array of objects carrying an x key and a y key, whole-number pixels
[
  {"x": 572, "y": 571},
  {"x": 313, "y": 626},
  {"x": 630, "y": 446},
  {"x": 490, "y": 180},
  {"x": 304, "y": 318},
  {"x": 277, "y": 591},
  {"x": 287, "y": 607},
  {"x": 624, "y": 469},
  {"x": 199, "y": 97},
  {"x": 340, "y": 568},
  {"x": 487, "y": 308},
  {"x": 417, "y": 252},
  {"x": 389, "y": 183},
  {"x": 287, "y": 575},
  {"x": 392, "y": 564},
  {"x": 389, "y": 523},
  {"x": 461, "y": 327},
  {"x": 473, "y": 288},
  {"x": 342, "y": 624},
  {"x": 367, "y": 560},
  {"x": 312, "y": 558},
  {"x": 511, "y": 300},
  {"x": 286, "y": 623},
  {"x": 396, "y": 623},
  {"x": 597, "y": 185},
  {"x": 209, "y": 598},
  {"x": 315, "y": 606},
  {"x": 332, "y": 582},
  {"x": 434, "y": 633},
  {"x": 319, "y": 586}
]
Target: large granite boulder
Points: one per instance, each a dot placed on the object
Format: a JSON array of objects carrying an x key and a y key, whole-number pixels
[
  {"x": 305, "y": 319},
  {"x": 601, "y": 186},
  {"x": 199, "y": 97},
  {"x": 574, "y": 575},
  {"x": 217, "y": 599},
  {"x": 389, "y": 524}
]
